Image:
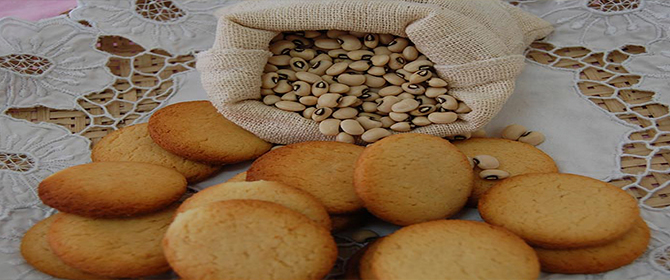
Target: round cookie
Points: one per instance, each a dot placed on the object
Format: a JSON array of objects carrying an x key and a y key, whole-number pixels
[
  {"x": 36, "y": 251},
  {"x": 132, "y": 143},
  {"x": 411, "y": 178},
  {"x": 289, "y": 197},
  {"x": 364, "y": 268},
  {"x": 240, "y": 177},
  {"x": 515, "y": 157},
  {"x": 323, "y": 169},
  {"x": 248, "y": 239},
  {"x": 553, "y": 210},
  {"x": 597, "y": 259},
  {"x": 117, "y": 248},
  {"x": 450, "y": 249},
  {"x": 196, "y": 131},
  {"x": 112, "y": 189}
]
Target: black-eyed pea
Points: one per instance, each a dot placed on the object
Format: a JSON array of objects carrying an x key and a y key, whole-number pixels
[
  {"x": 369, "y": 97},
  {"x": 348, "y": 101},
  {"x": 422, "y": 57},
  {"x": 437, "y": 82},
  {"x": 463, "y": 108},
  {"x": 289, "y": 96},
  {"x": 306, "y": 54},
  {"x": 357, "y": 104},
  {"x": 405, "y": 106},
  {"x": 337, "y": 68},
  {"x": 424, "y": 100},
  {"x": 368, "y": 123},
  {"x": 380, "y": 60},
  {"x": 398, "y": 44},
  {"x": 320, "y": 88},
  {"x": 321, "y": 57},
  {"x": 486, "y": 162},
  {"x": 290, "y": 106},
  {"x": 375, "y": 134},
  {"x": 360, "y": 55},
  {"x": 423, "y": 110},
  {"x": 377, "y": 71},
  {"x": 327, "y": 44},
  {"x": 308, "y": 77},
  {"x": 448, "y": 102},
  {"x": 381, "y": 50},
  {"x": 280, "y": 60},
  {"x": 421, "y": 121},
  {"x": 350, "y": 42},
  {"x": 361, "y": 65},
  {"x": 434, "y": 92},
  {"x": 390, "y": 90},
  {"x": 338, "y": 53},
  {"x": 307, "y": 114},
  {"x": 329, "y": 100},
  {"x": 532, "y": 137},
  {"x": 386, "y": 39},
  {"x": 282, "y": 47},
  {"x": 345, "y": 113},
  {"x": 283, "y": 87},
  {"x": 321, "y": 114},
  {"x": 311, "y": 34},
  {"x": 335, "y": 33},
  {"x": 329, "y": 79},
  {"x": 413, "y": 88},
  {"x": 351, "y": 79},
  {"x": 371, "y": 40},
  {"x": 514, "y": 131},
  {"x": 396, "y": 61},
  {"x": 442, "y": 118},
  {"x": 369, "y": 107},
  {"x": 330, "y": 127},
  {"x": 298, "y": 40},
  {"x": 320, "y": 67},
  {"x": 420, "y": 76},
  {"x": 372, "y": 116},
  {"x": 479, "y": 134},
  {"x": 302, "y": 88},
  {"x": 339, "y": 88},
  {"x": 271, "y": 99},
  {"x": 287, "y": 74},
  {"x": 410, "y": 53},
  {"x": 298, "y": 64},
  {"x": 352, "y": 127},
  {"x": 267, "y": 91},
  {"x": 374, "y": 81},
  {"x": 308, "y": 100},
  {"x": 399, "y": 117},
  {"x": 406, "y": 95},
  {"x": 345, "y": 138},
  {"x": 393, "y": 79},
  {"x": 269, "y": 80},
  {"x": 417, "y": 65},
  {"x": 387, "y": 103},
  {"x": 402, "y": 73},
  {"x": 462, "y": 136},
  {"x": 401, "y": 126},
  {"x": 386, "y": 122},
  {"x": 493, "y": 174},
  {"x": 277, "y": 38},
  {"x": 270, "y": 68}
]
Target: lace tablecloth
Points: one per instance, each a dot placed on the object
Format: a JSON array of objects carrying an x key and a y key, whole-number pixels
[{"x": 597, "y": 87}]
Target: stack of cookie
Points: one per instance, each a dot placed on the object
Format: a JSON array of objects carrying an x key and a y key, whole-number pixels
[{"x": 112, "y": 218}]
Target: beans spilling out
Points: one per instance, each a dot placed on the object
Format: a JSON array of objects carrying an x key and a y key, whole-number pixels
[
  {"x": 488, "y": 164},
  {"x": 356, "y": 84},
  {"x": 522, "y": 134}
]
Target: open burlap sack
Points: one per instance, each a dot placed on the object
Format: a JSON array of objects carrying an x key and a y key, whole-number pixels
[{"x": 476, "y": 47}]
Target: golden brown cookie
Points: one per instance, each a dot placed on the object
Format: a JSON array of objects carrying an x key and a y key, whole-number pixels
[
  {"x": 597, "y": 259},
  {"x": 240, "y": 177},
  {"x": 112, "y": 189},
  {"x": 132, "y": 143},
  {"x": 36, "y": 251},
  {"x": 450, "y": 249},
  {"x": 289, "y": 197},
  {"x": 411, "y": 178},
  {"x": 323, "y": 169},
  {"x": 364, "y": 264},
  {"x": 118, "y": 248},
  {"x": 248, "y": 239},
  {"x": 196, "y": 131},
  {"x": 515, "y": 157},
  {"x": 563, "y": 211}
]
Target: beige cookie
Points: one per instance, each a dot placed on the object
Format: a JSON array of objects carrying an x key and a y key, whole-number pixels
[
  {"x": 563, "y": 211},
  {"x": 450, "y": 249},
  {"x": 597, "y": 259},
  {"x": 248, "y": 239},
  {"x": 240, "y": 177},
  {"x": 289, "y": 197},
  {"x": 323, "y": 169},
  {"x": 118, "y": 248},
  {"x": 112, "y": 189},
  {"x": 132, "y": 143},
  {"x": 36, "y": 251},
  {"x": 196, "y": 131},
  {"x": 514, "y": 157},
  {"x": 411, "y": 178}
]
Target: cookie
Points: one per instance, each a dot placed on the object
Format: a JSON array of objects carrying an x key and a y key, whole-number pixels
[
  {"x": 196, "y": 131},
  {"x": 563, "y": 211},
  {"x": 240, "y": 177},
  {"x": 323, "y": 169},
  {"x": 515, "y": 157},
  {"x": 597, "y": 259},
  {"x": 450, "y": 249},
  {"x": 248, "y": 239},
  {"x": 117, "y": 248},
  {"x": 36, "y": 251},
  {"x": 364, "y": 264},
  {"x": 132, "y": 143},
  {"x": 411, "y": 178},
  {"x": 289, "y": 197},
  {"x": 112, "y": 189}
]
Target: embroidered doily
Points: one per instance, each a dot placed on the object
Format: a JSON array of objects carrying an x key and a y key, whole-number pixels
[{"x": 597, "y": 87}]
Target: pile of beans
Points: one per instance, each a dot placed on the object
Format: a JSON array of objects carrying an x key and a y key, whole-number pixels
[{"x": 356, "y": 84}]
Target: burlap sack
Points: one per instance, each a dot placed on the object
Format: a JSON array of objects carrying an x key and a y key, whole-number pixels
[{"x": 476, "y": 46}]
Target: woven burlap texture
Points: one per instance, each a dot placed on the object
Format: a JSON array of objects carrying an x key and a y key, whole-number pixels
[{"x": 476, "y": 46}]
